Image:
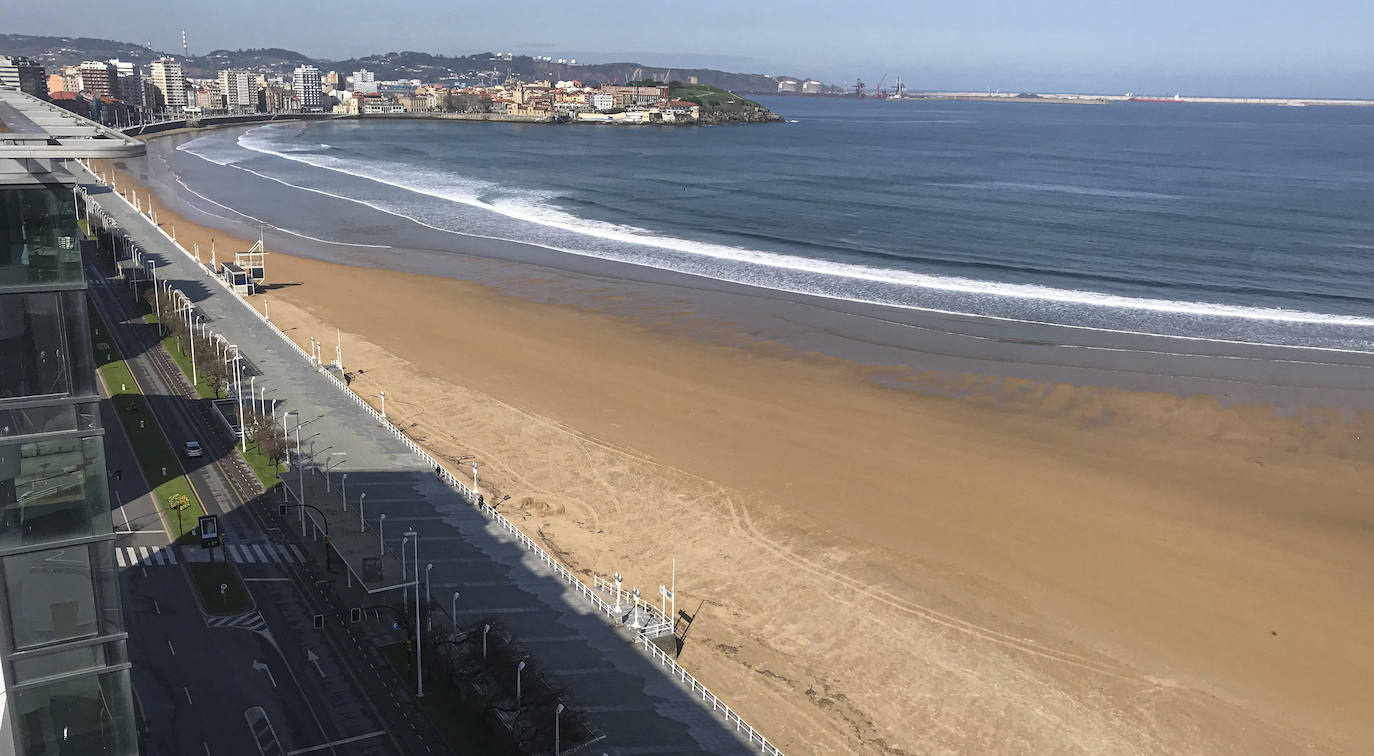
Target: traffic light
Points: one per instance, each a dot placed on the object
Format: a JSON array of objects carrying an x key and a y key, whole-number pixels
[
  {"x": 319, "y": 621},
  {"x": 355, "y": 615},
  {"x": 281, "y": 509},
  {"x": 326, "y": 538}
]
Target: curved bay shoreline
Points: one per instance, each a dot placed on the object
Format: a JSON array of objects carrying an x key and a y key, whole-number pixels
[{"x": 1085, "y": 528}]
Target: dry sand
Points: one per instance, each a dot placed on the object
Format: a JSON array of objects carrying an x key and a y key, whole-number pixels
[{"x": 1028, "y": 568}]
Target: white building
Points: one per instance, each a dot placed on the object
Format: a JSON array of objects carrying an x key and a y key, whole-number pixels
[
  {"x": 811, "y": 86},
  {"x": 603, "y": 101},
  {"x": 365, "y": 81},
  {"x": 170, "y": 83},
  {"x": 308, "y": 83},
  {"x": 236, "y": 85}
]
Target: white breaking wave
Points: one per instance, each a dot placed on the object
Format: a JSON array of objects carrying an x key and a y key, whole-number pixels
[
  {"x": 818, "y": 277},
  {"x": 212, "y": 148}
]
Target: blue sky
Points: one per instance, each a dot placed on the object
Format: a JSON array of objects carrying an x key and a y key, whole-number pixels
[{"x": 1257, "y": 47}]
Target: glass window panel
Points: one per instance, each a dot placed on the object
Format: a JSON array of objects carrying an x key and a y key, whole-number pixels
[
  {"x": 106, "y": 575},
  {"x": 38, "y": 236},
  {"x": 31, "y": 340},
  {"x": 58, "y": 662},
  {"x": 87, "y": 715},
  {"x": 50, "y": 419},
  {"x": 80, "y": 361},
  {"x": 52, "y": 490},
  {"x": 51, "y": 596}
]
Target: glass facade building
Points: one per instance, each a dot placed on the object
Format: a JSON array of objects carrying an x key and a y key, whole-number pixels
[{"x": 64, "y": 668}]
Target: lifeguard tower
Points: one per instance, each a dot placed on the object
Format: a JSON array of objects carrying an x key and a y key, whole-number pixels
[{"x": 247, "y": 271}]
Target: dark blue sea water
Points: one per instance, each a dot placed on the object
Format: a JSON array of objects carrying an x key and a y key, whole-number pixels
[{"x": 1250, "y": 223}]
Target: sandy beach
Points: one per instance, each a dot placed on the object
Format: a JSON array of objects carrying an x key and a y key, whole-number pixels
[{"x": 886, "y": 559}]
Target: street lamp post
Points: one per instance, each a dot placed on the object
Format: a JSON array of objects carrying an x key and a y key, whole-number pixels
[
  {"x": 419, "y": 662},
  {"x": 405, "y": 590},
  {"x": 157, "y": 301},
  {"x": 238, "y": 394},
  {"x": 383, "y": 405},
  {"x": 429, "y": 616},
  {"x": 194, "y": 379},
  {"x": 519, "y": 668},
  {"x": 343, "y": 488},
  {"x": 485, "y": 629},
  {"x": 361, "y": 498},
  {"x": 453, "y": 610},
  {"x": 381, "y": 539},
  {"x": 557, "y": 715},
  {"x": 300, "y": 470}
]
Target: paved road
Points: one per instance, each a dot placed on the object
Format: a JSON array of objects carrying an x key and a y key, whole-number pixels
[
  {"x": 640, "y": 709},
  {"x": 208, "y": 674}
]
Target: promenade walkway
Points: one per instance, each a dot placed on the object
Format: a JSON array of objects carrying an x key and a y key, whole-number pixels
[{"x": 628, "y": 695}]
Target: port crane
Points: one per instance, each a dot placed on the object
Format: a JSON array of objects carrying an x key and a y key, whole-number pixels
[
  {"x": 859, "y": 88},
  {"x": 881, "y": 94}
]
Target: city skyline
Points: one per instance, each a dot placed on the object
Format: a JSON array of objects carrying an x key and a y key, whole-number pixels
[{"x": 1216, "y": 48}]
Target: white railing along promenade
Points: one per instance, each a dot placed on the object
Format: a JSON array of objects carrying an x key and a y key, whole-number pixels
[{"x": 592, "y": 593}]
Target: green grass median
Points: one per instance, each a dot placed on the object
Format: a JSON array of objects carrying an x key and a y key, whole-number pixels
[
  {"x": 159, "y": 463},
  {"x": 209, "y": 576},
  {"x": 267, "y": 471}
]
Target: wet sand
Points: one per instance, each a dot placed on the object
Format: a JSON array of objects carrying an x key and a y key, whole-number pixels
[{"x": 930, "y": 554}]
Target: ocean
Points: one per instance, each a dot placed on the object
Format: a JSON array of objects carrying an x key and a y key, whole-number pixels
[{"x": 1227, "y": 222}]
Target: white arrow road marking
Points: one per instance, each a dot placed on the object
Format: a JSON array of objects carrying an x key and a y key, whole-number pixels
[
  {"x": 312, "y": 658},
  {"x": 264, "y": 668}
]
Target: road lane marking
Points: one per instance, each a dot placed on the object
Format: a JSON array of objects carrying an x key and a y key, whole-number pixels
[
  {"x": 143, "y": 554},
  {"x": 333, "y": 743},
  {"x": 119, "y": 557},
  {"x": 170, "y": 648},
  {"x": 261, "y": 556},
  {"x": 188, "y": 696}
]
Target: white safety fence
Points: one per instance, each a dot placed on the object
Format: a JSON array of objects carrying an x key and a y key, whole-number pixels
[{"x": 643, "y": 639}]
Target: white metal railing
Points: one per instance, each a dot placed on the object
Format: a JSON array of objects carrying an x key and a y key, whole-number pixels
[{"x": 593, "y": 594}]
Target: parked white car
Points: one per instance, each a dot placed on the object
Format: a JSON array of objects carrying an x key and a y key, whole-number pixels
[{"x": 193, "y": 449}]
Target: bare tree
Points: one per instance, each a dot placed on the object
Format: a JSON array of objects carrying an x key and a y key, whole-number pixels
[{"x": 215, "y": 373}]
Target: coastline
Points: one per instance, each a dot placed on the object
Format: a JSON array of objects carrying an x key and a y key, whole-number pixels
[{"x": 972, "y": 564}]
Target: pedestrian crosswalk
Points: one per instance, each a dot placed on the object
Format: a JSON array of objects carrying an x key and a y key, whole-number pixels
[
  {"x": 135, "y": 556},
  {"x": 241, "y": 553},
  {"x": 263, "y": 553}
]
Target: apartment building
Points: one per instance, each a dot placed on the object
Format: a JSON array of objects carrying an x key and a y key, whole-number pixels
[
  {"x": 170, "y": 83},
  {"x": 25, "y": 75},
  {"x": 237, "y": 88},
  {"x": 99, "y": 78},
  {"x": 130, "y": 88},
  {"x": 308, "y": 84},
  {"x": 64, "y": 668}
]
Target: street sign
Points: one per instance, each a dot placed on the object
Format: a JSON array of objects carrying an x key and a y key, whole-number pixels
[
  {"x": 319, "y": 621},
  {"x": 355, "y": 614},
  {"x": 209, "y": 531}
]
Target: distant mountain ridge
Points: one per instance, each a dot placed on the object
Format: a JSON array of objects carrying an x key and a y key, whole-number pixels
[{"x": 59, "y": 51}]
